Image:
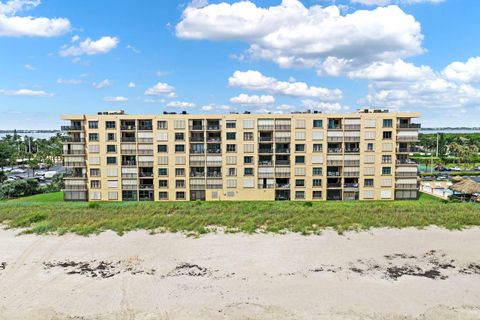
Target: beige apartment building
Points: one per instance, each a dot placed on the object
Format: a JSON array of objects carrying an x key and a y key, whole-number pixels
[{"x": 310, "y": 156}]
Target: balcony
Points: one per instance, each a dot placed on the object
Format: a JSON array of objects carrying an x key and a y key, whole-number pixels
[
  {"x": 128, "y": 151},
  {"x": 146, "y": 186},
  {"x": 213, "y": 127},
  {"x": 334, "y": 150},
  {"x": 282, "y": 150},
  {"x": 283, "y": 139},
  {"x": 125, "y": 127},
  {"x": 145, "y": 152},
  {"x": 129, "y": 163},
  {"x": 334, "y": 127},
  {"x": 145, "y": 140},
  {"x": 416, "y": 126},
  {"x": 352, "y": 139},
  {"x": 351, "y": 163},
  {"x": 350, "y": 185},
  {"x": 128, "y": 139},
  {"x": 265, "y": 163},
  {"x": 214, "y": 140},
  {"x": 407, "y": 150},
  {"x": 145, "y": 127},
  {"x": 74, "y": 140},
  {"x": 352, "y": 150},
  {"x": 197, "y": 139},
  {"x": 266, "y": 127},
  {"x": 265, "y": 139},
  {"x": 146, "y": 174},
  {"x": 334, "y": 174},
  {"x": 407, "y": 138},
  {"x": 282, "y": 162},
  {"x": 335, "y": 162},
  {"x": 281, "y": 127},
  {"x": 145, "y": 163},
  {"x": 196, "y": 174},
  {"x": 334, "y": 139},
  {"x": 196, "y": 127},
  {"x": 265, "y": 150},
  {"x": 351, "y": 174},
  {"x": 354, "y": 127},
  {"x": 406, "y": 174},
  {"x": 73, "y": 152},
  {"x": 266, "y": 186},
  {"x": 72, "y": 128},
  {"x": 75, "y": 176},
  {"x": 406, "y": 186},
  {"x": 334, "y": 185},
  {"x": 282, "y": 186},
  {"x": 129, "y": 187},
  {"x": 74, "y": 164},
  {"x": 129, "y": 175},
  {"x": 75, "y": 187},
  {"x": 214, "y": 151},
  {"x": 406, "y": 162}
]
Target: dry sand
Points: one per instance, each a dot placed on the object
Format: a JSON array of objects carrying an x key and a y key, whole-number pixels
[{"x": 380, "y": 274}]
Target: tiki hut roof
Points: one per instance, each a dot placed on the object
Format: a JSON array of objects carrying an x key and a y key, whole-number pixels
[
  {"x": 466, "y": 186},
  {"x": 456, "y": 179}
]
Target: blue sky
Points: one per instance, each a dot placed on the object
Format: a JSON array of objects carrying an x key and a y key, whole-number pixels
[{"x": 219, "y": 56}]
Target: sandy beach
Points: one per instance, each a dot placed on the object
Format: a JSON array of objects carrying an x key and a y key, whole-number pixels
[{"x": 379, "y": 274}]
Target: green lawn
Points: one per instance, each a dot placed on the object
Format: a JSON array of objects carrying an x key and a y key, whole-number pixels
[{"x": 48, "y": 213}]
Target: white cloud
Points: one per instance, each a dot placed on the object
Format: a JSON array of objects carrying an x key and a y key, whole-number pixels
[
  {"x": 69, "y": 81},
  {"x": 321, "y": 106},
  {"x": 398, "y": 70},
  {"x": 254, "y": 80},
  {"x": 292, "y": 35},
  {"x": 27, "y": 93},
  {"x": 75, "y": 38},
  {"x": 207, "y": 107},
  {"x": 284, "y": 107},
  {"x": 29, "y": 67},
  {"x": 161, "y": 89},
  {"x": 180, "y": 104},
  {"x": 115, "y": 99},
  {"x": 131, "y": 84},
  {"x": 253, "y": 100},
  {"x": 464, "y": 72},
  {"x": 16, "y": 26},
  {"x": 134, "y": 50},
  {"x": 216, "y": 107},
  {"x": 161, "y": 73},
  {"x": 90, "y": 47},
  {"x": 387, "y": 2},
  {"x": 102, "y": 84}
]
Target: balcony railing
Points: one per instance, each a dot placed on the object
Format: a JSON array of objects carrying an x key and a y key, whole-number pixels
[
  {"x": 197, "y": 174},
  {"x": 128, "y": 139},
  {"x": 407, "y": 150},
  {"x": 351, "y": 174},
  {"x": 145, "y": 152},
  {"x": 407, "y": 138},
  {"x": 129, "y": 175},
  {"x": 75, "y": 140},
  {"x": 334, "y": 150},
  {"x": 75, "y": 176},
  {"x": 146, "y": 186},
  {"x": 265, "y": 163},
  {"x": 409, "y": 126},
  {"x": 334, "y": 139},
  {"x": 352, "y": 150},
  {"x": 213, "y": 127},
  {"x": 197, "y": 139},
  {"x": 129, "y": 187},
  {"x": 145, "y": 128},
  {"x": 145, "y": 140},
  {"x": 334, "y": 185},
  {"x": 145, "y": 163},
  {"x": 214, "y": 151},
  {"x": 214, "y": 139},
  {"x": 406, "y": 174},
  {"x": 335, "y": 162},
  {"x": 265, "y": 139},
  {"x": 282, "y": 150},
  {"x": 406, "y": 162},
  {"x": 128, "y": 151},
  {"x": 72, "y": 128},
  {"x": 351, "y": 163},
  {"x": 75, "y": 187},
  {"x": 282, "y": 162},
  {"x": 266, "y": 186},
  {"x": 266, "y": 127},
  {"x": 282, "y": 185},
  {"x": 214, "y": 174},
  {"x": 334, "y": 174},
  {"x": 197, "y": 127},
  {"x": 352, "y": 127},
  {"x": 334, "y": 127},
  {"x": 283, "y": 139},
  {"x": 73, "y": 152},
  {"x": 127, "y": 127},
  {"x": 146, "y": 174},
  {"x": 74, "y": 164},
  {"x": 129, "y": 163},
  {"x": 281, "y": 127},
  {"x": 265, "y": 150},
  {"x": 351, "y": 185},
  {"x": 352, "y": 139},
  {"x": 406, "y": 186}
]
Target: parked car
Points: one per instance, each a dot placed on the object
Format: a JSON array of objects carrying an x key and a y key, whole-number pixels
[
  {"x": 477, "y": 168},
  {"x": 18, "y": 170},
  {"x": 455, "y": 169}
]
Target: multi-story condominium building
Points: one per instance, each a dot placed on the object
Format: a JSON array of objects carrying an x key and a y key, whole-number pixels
[{"x": 112, "y": 156}]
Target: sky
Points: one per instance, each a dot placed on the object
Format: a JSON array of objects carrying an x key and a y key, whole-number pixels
[{"x": 147, "y": 56}]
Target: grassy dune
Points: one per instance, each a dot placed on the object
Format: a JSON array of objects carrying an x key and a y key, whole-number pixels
[{"x": 48, "y": 214}]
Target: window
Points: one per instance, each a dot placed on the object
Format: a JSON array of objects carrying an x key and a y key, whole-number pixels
[
  {"x": 231, "y": 160},
  {"x": 112, "y": 184},
  {"x": 180, "y": 195},
  {"x": 163, "y": 172},
  {"x": 300, "y": 171},
  {"x": 179, "y": 183},
  {"x": 231, "y": 183},
  {"x": 179, "y": 124},
  {"x": 112, "y": 172},
  {"x": 162, "y": 125},
  {"x": 299, "y": 183},
  {"x": 247, "y": 159},
  {"x": 180, "y": 160},
  {"x": 317, "y": 135},
  {"x": 94, "y": 148},
  {"x": 299, "y": 148},
  {"x": 248, "y": 171},
  {"x": 368, "y": 194},
  {"x": 95, "y": 184},
  {"x": 387, "y": 123},
  {"x": 386, "y": 159},
  {"x": 93, "y": 137},
  {"x": 248, "y": 136},
  {"x": 110, "y": 124},
  {"x": 300, "y": 124},
  {"x": 231, "y": 147},
  {"x": 162, "y": 148},
  {"x": 94, "y": 172},
  {"x": 179, "y": 136},
  {"x": 248, "y": 124},
  {"x": 231, "y": 135},
  {"x": 163, "y": 160},
  {"x": 299, "y": 195},
  {"x": 111, "y": 160},
  {"x": 317, "y": 147},
  {"x": 179, "y": 172},
  {"x": 111, "y": 148},
  {"x": 317, "y": 123},
  {"x": 386, "y": 171},
  {"x": 299, "y": 135},
  {"x": 369, "y": 135},
  {"x": 317, "y": 171},
  {"x": 368, "y": 182},
  {"x": 110, "y": 136},
  {"x": 232, "y": 172},
  {"x": 370, "y": 147},
  {"x": 163, "y": 195},
  {"x": 179, "y": 148},
  {"x": 317, "y": 194},
  {"x": 113, "y": 196},
  {"x": 387, "y": 135},
  {"x": 93, "y": 124},
  {"x": 317, "y": 182},
  {"x": 299, "y": 159},
  {"x": 231, "y": 124},
  {"x": 163, "y": 183}
]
